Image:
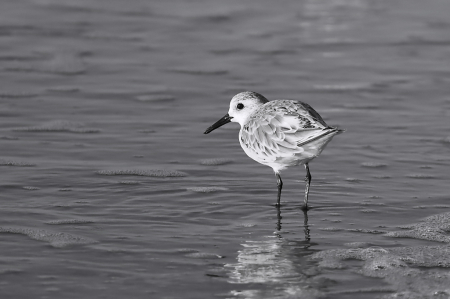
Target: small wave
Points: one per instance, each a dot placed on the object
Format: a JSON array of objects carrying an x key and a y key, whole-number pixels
[
  {"x": 373, "y": 164},
  {"x": 69, "y": 221},
  {"x": 357, "y": 244},
  {"x": 129, "y": 182},
  {"x": 62, "y": 63},
  {"x": 343, "y": 87},
  {"x": 420, "y": 176},
  {"x": 207, "y": 189},
  {"x": 155, "y": 98},
  {"x": 368, "y": 211},
  {"x": 16, "y": 163},
  {"x": 149, "y": 172},
  {"x": 353, "y": 180},
  {"x": 17, "y": 94},
  {"x": 56, "y": 239},
  {"x": 59, "y": 126},
  {"x": 394, "y": 266},
  {"x": 63, "y": 89},
  {"x": 215, "y": 161},
  {"x": 200, "y": 72},
  {"x": 331, "y": 229},
  {"x": 30, "y": 188},
  {"x": 366, "y": 231},
  {"x": 8, "y": 138},
  {"x": 203, "y": 255}
]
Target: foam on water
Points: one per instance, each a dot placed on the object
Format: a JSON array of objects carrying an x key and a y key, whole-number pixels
[
  {"x": 433, "y": 228},
  {"x": 55, "y": 239},
  {"x": 398, "y": 266}
]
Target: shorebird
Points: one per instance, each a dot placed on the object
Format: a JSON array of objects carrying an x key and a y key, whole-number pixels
[{"x": 279, "y": 133}]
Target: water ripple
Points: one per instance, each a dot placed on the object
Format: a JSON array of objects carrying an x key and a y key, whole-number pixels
[
  {"x": 56, "y": 239},
  {"x": 148, "y": 172},
  {"x": 59, "y": 126}
]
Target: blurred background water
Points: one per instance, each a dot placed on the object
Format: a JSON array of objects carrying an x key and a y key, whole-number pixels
[{"x": 110, "y": 189}]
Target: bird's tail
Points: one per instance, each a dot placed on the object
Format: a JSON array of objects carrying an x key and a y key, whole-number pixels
[
  {"x": 337, "y": 130},
  {"x": 329, "y": 132}
]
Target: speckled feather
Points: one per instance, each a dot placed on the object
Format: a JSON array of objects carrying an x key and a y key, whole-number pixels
[{"x": 283, "y": 133}]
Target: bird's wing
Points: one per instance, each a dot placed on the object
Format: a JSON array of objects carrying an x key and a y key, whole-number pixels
[{"x": 282, "y": 127}]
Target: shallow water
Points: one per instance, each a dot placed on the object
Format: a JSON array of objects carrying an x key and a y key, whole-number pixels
[{"x": 110, "y": 189}]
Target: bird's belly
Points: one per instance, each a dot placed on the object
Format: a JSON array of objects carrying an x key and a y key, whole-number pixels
[
  {"x": 259, "y": 156},
  {"x": 280, "y": 159},
  {"x": 275, "y": 158}
]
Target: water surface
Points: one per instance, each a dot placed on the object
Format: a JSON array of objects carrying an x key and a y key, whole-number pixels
[{"x": 110, "y": 189}]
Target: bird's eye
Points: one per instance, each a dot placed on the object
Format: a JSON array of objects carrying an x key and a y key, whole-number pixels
[{"x": 240, "y": 106}]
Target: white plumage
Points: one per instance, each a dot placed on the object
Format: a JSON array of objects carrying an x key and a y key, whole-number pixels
[{"x": 278, "y": 133}]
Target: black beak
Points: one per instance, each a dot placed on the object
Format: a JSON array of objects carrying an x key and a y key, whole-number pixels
[{"x": 224, "y": 120}]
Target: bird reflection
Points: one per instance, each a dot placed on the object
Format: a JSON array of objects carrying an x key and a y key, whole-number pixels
[
  {"x": 305, "y": 223},
  {"x": 278, "y": 217},
  {"x": 279, "y": 262},
  {"x": 306, "y": 226}
]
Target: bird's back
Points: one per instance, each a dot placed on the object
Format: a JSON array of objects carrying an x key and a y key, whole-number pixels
[{"x": 282, "y": 133}]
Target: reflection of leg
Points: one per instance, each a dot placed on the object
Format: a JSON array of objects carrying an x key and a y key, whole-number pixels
[
  {"x": 308, "y": 182},
  {"x": 278, "y": 218},
  {"x": 306, "y": 226},
  {"x": 280, "y": 185}
]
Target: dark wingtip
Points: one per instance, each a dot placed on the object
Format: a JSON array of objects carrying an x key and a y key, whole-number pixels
[{"x": 338, "y": 130}]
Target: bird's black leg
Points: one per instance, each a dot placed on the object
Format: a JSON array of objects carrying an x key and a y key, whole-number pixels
[
  {"x": 280, "y": 185},
  {"x": 308, "y": 182}
]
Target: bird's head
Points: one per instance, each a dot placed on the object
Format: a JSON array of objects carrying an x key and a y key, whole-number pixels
[{"x": 242, "y": 107}]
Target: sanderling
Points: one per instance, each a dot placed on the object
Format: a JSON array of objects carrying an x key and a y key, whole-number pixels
[{"x": 278, "y": 133}]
